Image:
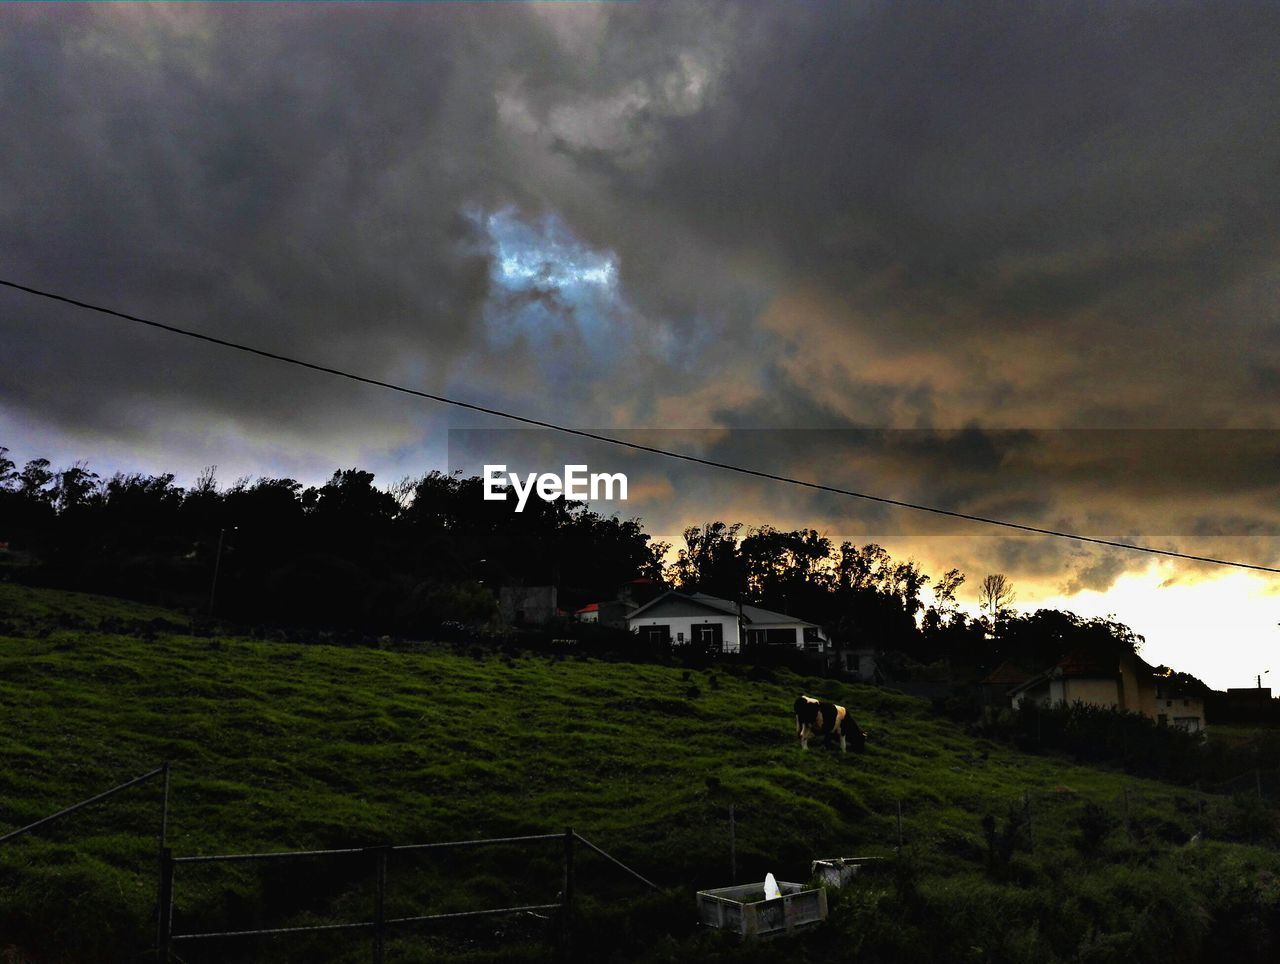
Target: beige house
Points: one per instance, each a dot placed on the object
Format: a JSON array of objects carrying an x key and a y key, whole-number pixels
[
  {"x": 1125, "y": 683},
  {"x": 1179, "y": 707}
]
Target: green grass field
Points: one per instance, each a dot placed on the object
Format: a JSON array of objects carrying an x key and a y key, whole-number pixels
[{"x": 280, "y": 746}]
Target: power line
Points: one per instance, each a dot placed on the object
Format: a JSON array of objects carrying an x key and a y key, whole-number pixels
[{"x": 636, "y": 446}]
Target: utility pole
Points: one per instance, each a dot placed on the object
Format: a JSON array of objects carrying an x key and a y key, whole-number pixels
[
  {"x": 742, "y": 635},
  {"x": 217, "y": 561}
]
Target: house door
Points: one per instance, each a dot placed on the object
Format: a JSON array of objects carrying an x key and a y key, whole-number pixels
[
  {"x": 656, "y": 635},
  {"x": 709, "y": 637}
]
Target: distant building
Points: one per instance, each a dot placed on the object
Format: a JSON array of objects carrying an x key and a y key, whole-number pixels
[
  {"x": 527, "y": 605},
  {"x": 610, "y": 612},
  {"x": 861, "y": 662},
  {"x": 638, "y": 592},
  {"x": 997, "y": 684},
  {"x": 1178, "y": 705},
  {"x": 1250, "y": 695},
  {"x": 1122, "y": 682},
  {"x": 1243, "y": 704}
]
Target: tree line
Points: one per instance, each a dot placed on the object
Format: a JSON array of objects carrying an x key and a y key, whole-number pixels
[
  {"x": 863, "y": 596},
  {"x": 405, "y": 558},
  {"x": 346, "y": 554}
]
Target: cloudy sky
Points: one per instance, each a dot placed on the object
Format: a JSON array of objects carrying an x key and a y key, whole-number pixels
[{"x": 1018, "y": 260}]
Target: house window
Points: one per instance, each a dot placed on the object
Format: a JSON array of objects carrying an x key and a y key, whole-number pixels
[
  {"x": 812, "y": 641},
  {"x": 709, "y": 637},
  {"x": 780, "y": 637}
]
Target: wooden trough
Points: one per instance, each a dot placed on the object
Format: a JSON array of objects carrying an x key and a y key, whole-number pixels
[{"x": 743, "y": 910}]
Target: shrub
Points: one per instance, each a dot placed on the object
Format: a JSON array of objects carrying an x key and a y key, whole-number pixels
[
  {"x": 1249, "y": 819},
  {"x": 1095, "y": 824}
]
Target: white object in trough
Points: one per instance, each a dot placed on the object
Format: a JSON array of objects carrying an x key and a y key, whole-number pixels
[{"x": 771, "y": 887}]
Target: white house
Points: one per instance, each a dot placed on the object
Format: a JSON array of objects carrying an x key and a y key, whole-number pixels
[{"x": 721, "y": 625}]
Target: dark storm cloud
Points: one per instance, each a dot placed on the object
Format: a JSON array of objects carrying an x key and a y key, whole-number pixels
[
  {"x": 934, "y": 141},
  {"x": 967, "y": 183},
  {"x": 294, "y": 178},
  {"x": 864, "y": 218}
]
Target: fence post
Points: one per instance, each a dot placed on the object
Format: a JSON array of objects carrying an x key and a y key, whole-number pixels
[
  {"x": 164, "y": 889},
  {"x": 566, "y": 899},
  {"x": 1031, "y": 836},
  {"x": 733, "y": 847},
  {"x": 164, "y": 808},
  {"x": 164, "y": 912},
  {"x": 380, "y": 906},
  {"x": 899, "y": 825}
]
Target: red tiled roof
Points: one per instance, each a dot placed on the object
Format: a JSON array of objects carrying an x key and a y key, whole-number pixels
[
  {"x": 1078, "y": 665},
  {"x": 1007, "y": 674}
]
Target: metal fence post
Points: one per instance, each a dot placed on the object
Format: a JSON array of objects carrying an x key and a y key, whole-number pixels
[
  {"x": 164, "y": 889},
  {"x": 164, "y": 807},
  {"x": 1031, "y": 836},
  {"x": 733, "y": 847},
  {"x": 566, "y": 901},
  {"x": 380, "y": 907},
  {"x": 164, "y": 911}
]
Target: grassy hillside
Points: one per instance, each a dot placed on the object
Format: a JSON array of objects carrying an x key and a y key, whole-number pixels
[{"x": 284, "y": 746}]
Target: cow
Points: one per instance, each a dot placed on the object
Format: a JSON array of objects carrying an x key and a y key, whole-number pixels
[{"x": 829, "y": 721}]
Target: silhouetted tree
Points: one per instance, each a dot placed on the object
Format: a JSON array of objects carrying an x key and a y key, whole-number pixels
[
  {"x": 35, "y": 481},
  {"x": 712, "y": 562},
  {"x": 74, "y": 487},
  {"x": 8, "y": 471},
  {"x": 944, "y": 611},
  {"x": 995, "y": 597}
]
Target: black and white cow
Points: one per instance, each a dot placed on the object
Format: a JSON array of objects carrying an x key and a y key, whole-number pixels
[{"x": 829, "y": 721}]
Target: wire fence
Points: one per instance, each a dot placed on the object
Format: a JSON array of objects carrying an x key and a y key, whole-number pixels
[
  {"x": 376, "y": 858},
  {"x": 1265, "y": 784},
  {"x": 379, "y": 922},
  {"x": 1137, "y": 815},
  {"x": 993, "y": 828},
  {"x": 982, "y": 827}
]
